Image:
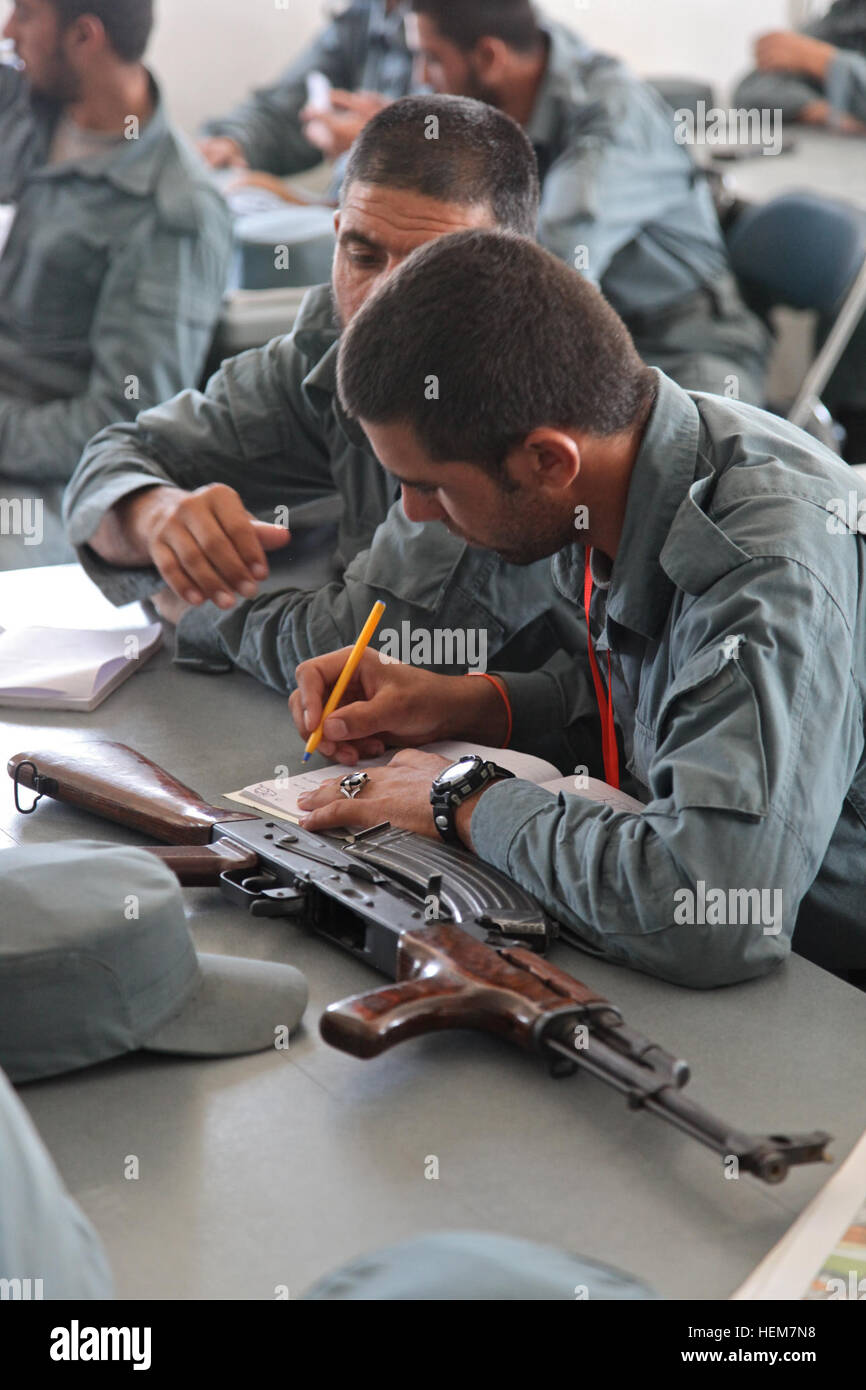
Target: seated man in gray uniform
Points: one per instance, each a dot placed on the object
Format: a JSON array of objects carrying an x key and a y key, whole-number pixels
[
  {"x": 620, "y": 199},
  {"x": 168, "y": 500},
  {"x": 816, "y": 74},
  {"x": 362, "y": 53},
  {"x": 114, "y": 252},
  {"x": 720, "y": 559}
]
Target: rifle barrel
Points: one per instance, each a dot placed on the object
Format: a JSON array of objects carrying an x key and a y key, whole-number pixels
[{"x": 767, "y": 1156}]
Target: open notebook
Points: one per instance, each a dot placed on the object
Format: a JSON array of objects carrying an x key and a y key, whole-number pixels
[
  {"x": 70, "y": 668},
  {"x": 280, "y": 797}
]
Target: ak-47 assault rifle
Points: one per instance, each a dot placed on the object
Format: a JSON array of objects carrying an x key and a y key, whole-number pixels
[{"x": 477, "y": 965}]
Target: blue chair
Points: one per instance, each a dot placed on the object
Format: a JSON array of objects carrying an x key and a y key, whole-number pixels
[{"x": 806, "y": 252}]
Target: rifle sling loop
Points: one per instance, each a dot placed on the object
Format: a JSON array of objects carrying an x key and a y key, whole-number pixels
[{"x": 42, "y": 786}]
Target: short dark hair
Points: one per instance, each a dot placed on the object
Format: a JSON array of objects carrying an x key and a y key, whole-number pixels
[
  {"x": 464, "y": 22},
  {"x": 477, "y": 155},
  {"x": 514, "y": 339},
  {"x": 127, "y": 23}
]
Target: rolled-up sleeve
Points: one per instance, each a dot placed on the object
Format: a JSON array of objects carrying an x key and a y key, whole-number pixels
[
  {"x": 430, "y": 581},
  {"x": 846, "y": 84},
  {"x": 753, "y": 752},
  {"x": 247, "y": 430}
]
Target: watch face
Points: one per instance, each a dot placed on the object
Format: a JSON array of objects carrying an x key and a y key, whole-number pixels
[{"x": 458, "y": 772}]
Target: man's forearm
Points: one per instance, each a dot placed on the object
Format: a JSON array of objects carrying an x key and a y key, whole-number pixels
[
  {"x": 823, "y": 114},
  {"x": 473, "y": 710}
]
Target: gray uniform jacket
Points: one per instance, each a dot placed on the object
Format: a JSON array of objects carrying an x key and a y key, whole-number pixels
[
  {"x": 844, "y": 26},
  {"x": 624, "y": 202},
  {"x": 111, "y": 282},
  {"x": 362, "y": 49},
  {"x": 735, "y": 615},
  {"x": 270, "y": 426}
]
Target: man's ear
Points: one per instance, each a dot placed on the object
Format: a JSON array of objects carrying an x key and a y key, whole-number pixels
[
  {"x": 85, "y": 31},
  {"x": 337, "y": 222},
  {"x": 548, "y": 458},
  {"x": 490, "y": 59}
]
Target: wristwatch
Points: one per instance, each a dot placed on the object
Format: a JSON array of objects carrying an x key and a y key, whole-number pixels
[{"x": 455, "y": 785}]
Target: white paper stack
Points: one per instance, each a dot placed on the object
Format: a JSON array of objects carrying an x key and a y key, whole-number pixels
[{"x": 70, "y": 668}]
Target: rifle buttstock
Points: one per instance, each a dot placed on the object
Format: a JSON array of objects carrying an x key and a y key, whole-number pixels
[{"x": 113, "y": 781}]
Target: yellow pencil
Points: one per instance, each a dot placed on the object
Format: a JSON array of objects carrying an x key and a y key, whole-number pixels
[{"x": 348, "y": 672}]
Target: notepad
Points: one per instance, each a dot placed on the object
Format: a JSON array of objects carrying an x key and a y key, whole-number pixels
[
  {"x": 279, "y": 798},
  {"x": 70, "y": 668},
  {"x": 823, "y": 1255}
]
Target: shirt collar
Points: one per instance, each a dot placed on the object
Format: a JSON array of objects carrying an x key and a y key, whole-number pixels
[
  {"x": 317, "y": 337},
  {"x": 641, "y": 583},
  {"x": 133, "y": 166},
  {"x": 561, "y": 85},
  {"x": 384, "y": 24}
]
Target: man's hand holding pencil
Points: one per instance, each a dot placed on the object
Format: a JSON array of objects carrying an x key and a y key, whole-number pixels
[{"x": 384, "y": 704}]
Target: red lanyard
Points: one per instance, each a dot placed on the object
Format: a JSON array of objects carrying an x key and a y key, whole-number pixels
[{"x": 609, "y": 749}]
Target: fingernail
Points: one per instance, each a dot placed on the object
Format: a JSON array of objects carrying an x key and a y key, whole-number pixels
[
  {"x": 193, "y": 596},
  {"x": 304, "y": 800},
  {"x": 337, "y": 729},
  {"x": 248, "y": 589},
  {"x": 224, "y": 600},
  {"x": 260, "y": 571}
]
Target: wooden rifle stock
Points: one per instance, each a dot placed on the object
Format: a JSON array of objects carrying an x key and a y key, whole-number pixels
[
  {"x": 121, "y": 785},
  {"x": 202, "y": 866}
]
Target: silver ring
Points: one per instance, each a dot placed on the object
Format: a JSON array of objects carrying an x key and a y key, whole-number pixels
[{"x": 353, "y": 784}]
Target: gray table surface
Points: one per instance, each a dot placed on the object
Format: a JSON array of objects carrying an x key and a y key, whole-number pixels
[
  {"x": 818, "y": 161},
  {"x": 270, "y": 1170}
]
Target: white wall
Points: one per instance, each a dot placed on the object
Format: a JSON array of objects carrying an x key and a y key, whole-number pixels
[
  {"x": 707, "y": 39},
  {"x": 208, "y": 53}
]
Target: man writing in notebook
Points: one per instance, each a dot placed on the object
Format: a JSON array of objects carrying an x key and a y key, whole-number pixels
[{"x": 727, "y": 624}]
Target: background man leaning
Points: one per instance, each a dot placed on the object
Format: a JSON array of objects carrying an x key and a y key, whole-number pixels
[
  {"x": 276, "y": 131},
  {"x": 180, "y": 497}
]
